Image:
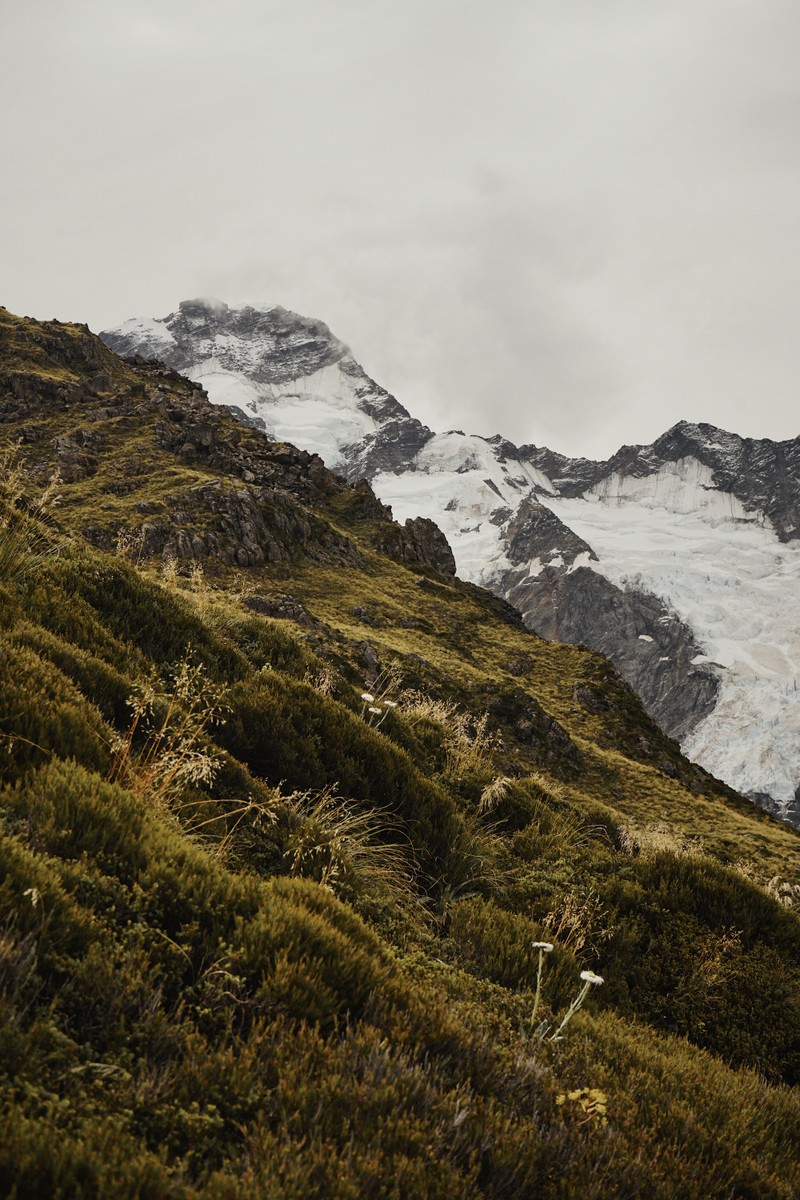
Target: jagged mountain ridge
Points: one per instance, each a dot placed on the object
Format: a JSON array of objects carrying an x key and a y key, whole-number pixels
[
  {"x": 678, "y": 560},
  {"x": 761, "y": 473}
]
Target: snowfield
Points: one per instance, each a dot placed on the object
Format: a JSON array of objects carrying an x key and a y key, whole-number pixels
[
  {"x": 318, "y": 412},
  {"x": 457, "y": 481}
]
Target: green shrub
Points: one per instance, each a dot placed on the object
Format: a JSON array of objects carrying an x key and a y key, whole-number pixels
[
  {"x": 51, "y": 601},
  {"x": 145, "y": 615},
  {"x": 305, "y": 955},
  {"x": 347, "y": 851},
  {"x": 268, "y": 643},
  {"x": 97, "y": 1160},
  {"x": 499, "y": 945},
  {"x": 69, "y": 812},
  {"x": 25, "y": 537},
  {"x": 549, "y": 825},
  {"x": 191, "y": 898},
  {"x": 10, "y": 607},
  {"x": 42, "y": 714},
  {"x": 699, "y": 1129},
  {"x": 101, "y": 683},
  {"x": 701, "y": 951},
  {"x": 42, "y": 928}
]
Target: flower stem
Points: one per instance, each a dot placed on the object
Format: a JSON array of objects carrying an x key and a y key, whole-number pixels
[
  {"x": 570, "y": 1013},
  {"x": 538, "y": 989}
]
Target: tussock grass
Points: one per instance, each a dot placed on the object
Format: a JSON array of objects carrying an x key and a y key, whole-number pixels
[
  {"x": 347, "y": 850},
  {"x": 172, "y": 753},
  {"x": 25, "y": 538}
]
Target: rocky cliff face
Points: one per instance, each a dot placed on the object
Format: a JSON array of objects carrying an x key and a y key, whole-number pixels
[
  {"x": 650, "y": 646},
  {"x": 678, "y": 560}
]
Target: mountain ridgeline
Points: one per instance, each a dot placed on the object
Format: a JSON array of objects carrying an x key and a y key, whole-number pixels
[
  {"x": 320, "y": 873},
  {"x": 679, "y": 560}
]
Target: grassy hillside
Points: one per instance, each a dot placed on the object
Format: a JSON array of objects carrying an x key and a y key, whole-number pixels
[{"x": 283, "y": 815}]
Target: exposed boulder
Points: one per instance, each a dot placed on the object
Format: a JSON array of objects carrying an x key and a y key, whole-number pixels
[
  {"x": 419, "y": 541},
  {"x": 534, "y": 728}
]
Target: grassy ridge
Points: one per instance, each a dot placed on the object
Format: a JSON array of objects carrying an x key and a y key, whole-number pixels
[{"x": 258, "y": 940}]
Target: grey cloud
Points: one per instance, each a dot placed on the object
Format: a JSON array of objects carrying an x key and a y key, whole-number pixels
[{"x": 573, "y": 223}]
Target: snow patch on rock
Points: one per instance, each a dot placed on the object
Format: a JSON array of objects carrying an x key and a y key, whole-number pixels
[
  {"x": 318, "y": 412},
  {"x": 151, "y": 338},
  {"x": 457, "y": 481}
]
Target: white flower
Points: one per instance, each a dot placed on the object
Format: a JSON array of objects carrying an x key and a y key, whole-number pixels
[
  {"x": 544, "y": 946},
  {"x": 590, "y": 977},
  {"x": 34, "y": 895},
  {"x": 368, "y": 697},
  {"x": 374, "y": 710},
  {"x": 390, "y": 703}
]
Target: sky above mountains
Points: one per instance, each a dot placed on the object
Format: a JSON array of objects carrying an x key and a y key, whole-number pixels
[{"x": 573, "y": 223}]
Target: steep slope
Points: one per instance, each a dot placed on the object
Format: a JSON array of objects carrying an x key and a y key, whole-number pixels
[
  {"x": 678, "y": 560},
  {"x": 281, "y": 815}
]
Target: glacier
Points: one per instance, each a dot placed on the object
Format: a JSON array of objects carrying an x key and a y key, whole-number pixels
[{"x": 724, "y": 571}]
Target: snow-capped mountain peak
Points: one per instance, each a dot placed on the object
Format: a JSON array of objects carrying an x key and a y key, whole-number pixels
[{"x": 286, "y": 371}]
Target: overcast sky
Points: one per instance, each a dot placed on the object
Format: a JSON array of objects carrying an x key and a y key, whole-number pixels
[{"x": 570, "y": 221}]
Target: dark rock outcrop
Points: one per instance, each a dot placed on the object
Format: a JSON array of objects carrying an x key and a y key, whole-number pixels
[
  {"x": 536, "y": 533},
  {"x": 650, "y": 647},
  {"x": 418, "y": 542},
  {"x": 534, "y": 728},
  {"x": 280, "y": 607}
]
